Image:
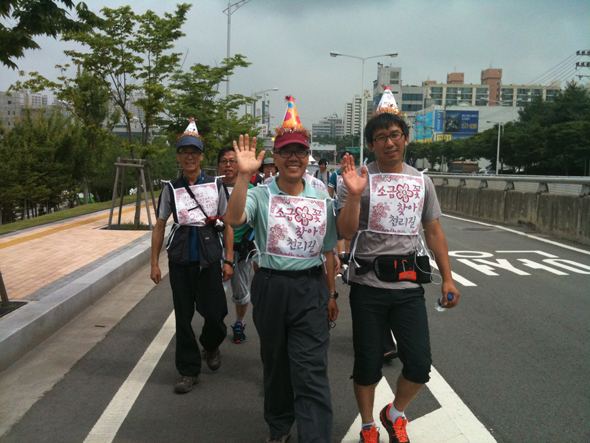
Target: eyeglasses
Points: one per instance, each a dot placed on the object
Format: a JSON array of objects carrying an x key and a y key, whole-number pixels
[
  {"x": 300, "y": 153},
  {"x": 394, "y": 136},
  {"x": 226, "y": 161},
  {"x": 185, "y": 154}
]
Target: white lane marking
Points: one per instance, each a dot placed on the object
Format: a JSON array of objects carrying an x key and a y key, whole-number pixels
[
  {"x": 484, "y": 269},
  {"x": 503, "y": 264},
  {"x": 458, "y": 412},
  {"x": 452, "y": 422},
  {"x": 535, "y": 265},
  {"x": 546, "y": 254},
  {"x": 568, "y": 265},
  {"x": 521, "y": 233},
  {"x": 383, "y": 396},
  {"x": 456, "y": 277},
  {"x": 110, "y": 421}
]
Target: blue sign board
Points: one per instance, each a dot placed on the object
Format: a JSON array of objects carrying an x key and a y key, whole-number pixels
[{"x": 465, "y": 122}]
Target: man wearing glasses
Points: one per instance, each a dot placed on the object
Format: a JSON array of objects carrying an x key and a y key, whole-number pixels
[
  {"x": 293, "y": 294},
  {"x": 381, "y": 207},
  {"x": 196, "y": 201},
  {"x": 242, "y": 241}
]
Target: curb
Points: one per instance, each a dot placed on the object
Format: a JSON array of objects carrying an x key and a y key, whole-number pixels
[{"x": 29, "y": 326}]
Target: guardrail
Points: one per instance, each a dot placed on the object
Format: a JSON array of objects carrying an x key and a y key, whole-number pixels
[{"x": 510, "y": 180}]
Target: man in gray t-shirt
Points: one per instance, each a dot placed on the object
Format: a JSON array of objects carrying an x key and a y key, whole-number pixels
[{"x": 398, "y": 208}]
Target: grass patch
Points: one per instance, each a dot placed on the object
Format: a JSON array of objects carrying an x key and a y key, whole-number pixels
[{"x": 67, "y": 213}]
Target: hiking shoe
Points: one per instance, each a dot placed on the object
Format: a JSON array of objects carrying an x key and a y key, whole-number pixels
[
  {"x": 397, "y": 431},
  {"x": 185, "y": 384},
  {"x": 213, "y": 359},
  {"x": 389, "y": 356},
  {"x": 239, "y": 334},
  {"x": 276, "y": 439},
  {"x": 370, "y": 435}
]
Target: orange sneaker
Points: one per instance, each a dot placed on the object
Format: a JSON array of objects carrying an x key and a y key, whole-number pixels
[
  {"x": 370, "y": 436},
  {"x": 397, "y": 431}
]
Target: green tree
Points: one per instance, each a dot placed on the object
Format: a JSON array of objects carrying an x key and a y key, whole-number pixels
[
  {"x": 34, "y": 18},
  {"x": 195, "y": 93},
  {"x": 33, "y": 171}
]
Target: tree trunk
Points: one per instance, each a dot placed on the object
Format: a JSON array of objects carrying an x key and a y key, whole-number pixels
[
  {"x": 137, "y": 219},
  {"x": 85, "y": 190}
]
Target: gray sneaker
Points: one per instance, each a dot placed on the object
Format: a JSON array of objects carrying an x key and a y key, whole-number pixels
[
  {"x": 275, "y": 439},
  {"x": 185, "y": 384},
  {"x": 213, "y": 359}
]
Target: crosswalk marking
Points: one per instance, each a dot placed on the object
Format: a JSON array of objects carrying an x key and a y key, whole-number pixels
[{"x": 456, "y": 277}]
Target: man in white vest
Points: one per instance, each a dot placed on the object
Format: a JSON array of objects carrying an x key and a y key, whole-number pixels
[
  {"x": 381, "y": 208},
  {"x": 293, "y": 292},
  {"x": 196, "y": 201}
]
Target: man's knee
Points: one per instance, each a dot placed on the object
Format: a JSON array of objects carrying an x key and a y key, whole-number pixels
[{"x": 417, "y": 370}]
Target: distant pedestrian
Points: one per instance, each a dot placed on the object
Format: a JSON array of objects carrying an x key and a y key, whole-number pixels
[
  {"x": 196, "y": 201},
  {"x": 323, "y": 174},
  {"x": 240, "y": 254}
]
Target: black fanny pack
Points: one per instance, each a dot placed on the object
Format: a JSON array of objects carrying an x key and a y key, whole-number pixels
[
  {"x": 393, "y": 268},
  {"x": 246, "y": 245}
]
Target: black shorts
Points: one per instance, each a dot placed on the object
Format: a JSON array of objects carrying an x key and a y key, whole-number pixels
[{"x": 404, "y": 312}]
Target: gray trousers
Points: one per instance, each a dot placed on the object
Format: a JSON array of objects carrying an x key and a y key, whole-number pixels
[{"x": 291, "y": 317}]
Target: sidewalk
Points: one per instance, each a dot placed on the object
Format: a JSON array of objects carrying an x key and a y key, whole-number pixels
[{"x": 60, "y": 269}]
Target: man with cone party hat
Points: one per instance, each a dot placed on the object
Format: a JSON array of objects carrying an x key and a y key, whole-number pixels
[
  {"x": 196, "y": 201},
  {"x": 382, "y": 206},
  {"x": 293, "y": 292}
]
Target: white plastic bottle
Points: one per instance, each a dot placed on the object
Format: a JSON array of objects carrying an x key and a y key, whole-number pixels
[{"x": 439, "y": 303}]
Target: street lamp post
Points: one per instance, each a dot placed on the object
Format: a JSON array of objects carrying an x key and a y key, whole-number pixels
[
  {"x": 364, "y": 111},
  {"x": 229, "y": 12},
  {"x": 253, "y": 106},
  {"x": 498, "y": 150}
]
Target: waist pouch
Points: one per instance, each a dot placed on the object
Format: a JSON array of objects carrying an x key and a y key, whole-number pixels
[
  {"x": 393, "y": 268},
  {"x": 246, "y": 245}
]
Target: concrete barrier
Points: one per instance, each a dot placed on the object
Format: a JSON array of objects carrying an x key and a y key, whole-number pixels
[{"x": 564, "y": 216}]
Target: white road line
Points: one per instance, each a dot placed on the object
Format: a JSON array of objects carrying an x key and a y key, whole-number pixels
[
  {"x": 520, "y": 233},
  {"x": 108, "y": 424},
  {"x": 453, "y": 422},
  {"x": 456, "y": 277}
]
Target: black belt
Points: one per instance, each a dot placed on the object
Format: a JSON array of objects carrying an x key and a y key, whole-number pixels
[{"x": 317, "y": 270}]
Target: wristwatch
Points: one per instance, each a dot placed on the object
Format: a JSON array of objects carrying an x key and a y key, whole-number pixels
[
  {"x": 334, "y": 295},
  {"x": 229, "y": 262}
]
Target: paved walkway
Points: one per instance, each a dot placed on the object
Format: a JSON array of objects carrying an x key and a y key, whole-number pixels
[{"x": 42, "y": 256}]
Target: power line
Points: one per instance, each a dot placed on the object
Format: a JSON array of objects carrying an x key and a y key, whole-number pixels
[
  {"x": 558, "y": 66},
  {"x": 556, "y": 70}
]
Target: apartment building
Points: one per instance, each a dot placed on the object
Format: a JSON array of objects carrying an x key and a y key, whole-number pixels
[
  {"x": 332, "y": 126},
  {"x": 14, "y": 103}
]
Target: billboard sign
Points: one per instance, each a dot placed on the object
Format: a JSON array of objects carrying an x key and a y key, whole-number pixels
[{"x": 464, "y": 122}]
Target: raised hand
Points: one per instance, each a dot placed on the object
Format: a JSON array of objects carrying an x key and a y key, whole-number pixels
[
  {"x": 354, "y": 183},
  {"x": 246, "y": 155}
]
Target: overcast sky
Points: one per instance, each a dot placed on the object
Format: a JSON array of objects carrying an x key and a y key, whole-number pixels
[{"x": 288, "y": 43}]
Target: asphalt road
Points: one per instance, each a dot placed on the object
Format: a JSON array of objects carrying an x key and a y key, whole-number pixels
[{"x": 515, "y": 352}]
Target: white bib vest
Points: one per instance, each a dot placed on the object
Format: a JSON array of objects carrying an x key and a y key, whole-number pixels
[
  {"x": 187, "y": 210},
  {"x": 296, "y": 226}
]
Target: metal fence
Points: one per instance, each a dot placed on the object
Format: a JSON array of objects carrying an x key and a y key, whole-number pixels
[{"x": 522, "y": 183}]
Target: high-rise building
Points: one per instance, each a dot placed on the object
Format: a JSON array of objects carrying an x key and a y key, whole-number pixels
[
  {"x": 328, "y": 127},
  {"x": 14, "y": 103},
  {"x": 352, "y": 114}
]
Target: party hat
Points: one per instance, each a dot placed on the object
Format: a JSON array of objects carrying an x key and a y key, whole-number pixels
[
  {"x": 291, "y": 131},
  {"x": 387, "y": 102},
  {"x": 191, "y": 136}
]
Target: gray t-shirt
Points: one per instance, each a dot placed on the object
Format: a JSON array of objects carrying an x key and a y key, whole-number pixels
[{"x": 372, "y": 244}]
